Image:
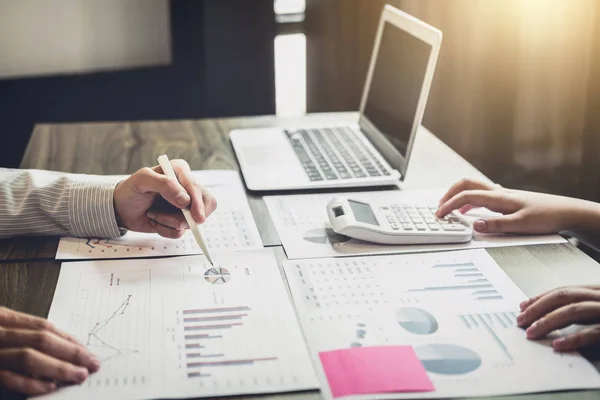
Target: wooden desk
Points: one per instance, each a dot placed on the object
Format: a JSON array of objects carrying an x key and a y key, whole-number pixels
[{"x": 120, "y": 148}]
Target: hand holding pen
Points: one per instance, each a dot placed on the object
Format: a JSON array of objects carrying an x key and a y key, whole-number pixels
[
  {"x": 139, "y": 201},
  {"x": 165, "y": 164}
]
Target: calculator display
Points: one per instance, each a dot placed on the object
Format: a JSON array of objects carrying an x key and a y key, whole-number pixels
[{"x": 363, "y": 213}]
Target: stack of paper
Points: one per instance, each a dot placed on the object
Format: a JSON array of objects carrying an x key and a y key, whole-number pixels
[
  {"x": 433, "y": 325},
  {"x": 178, "y": 327},
  {"x": 302, "y": 224}
]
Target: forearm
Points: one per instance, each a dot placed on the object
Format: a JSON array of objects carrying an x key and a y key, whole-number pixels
[
  {"x": 34, "y": 202},
  {"x": 582, "y": 217}
]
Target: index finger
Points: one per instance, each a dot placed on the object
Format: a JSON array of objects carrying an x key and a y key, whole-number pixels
[
  {"x": 50, "y": 344},
  {"x": 577, "y": 313},
  {"x": 553, "y": 300},
  {"x": 492, "y": 200},
  {"x": 14, "y": 319},
  {"x": 203, "y": 203},
  {"x": 462, "y": 185},
  {"x": 525, "y": 304}
]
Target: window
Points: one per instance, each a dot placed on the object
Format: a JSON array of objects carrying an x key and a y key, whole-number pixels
[
  {"x": 289, "y": 7},
  {"x": 290, "y": 59}
]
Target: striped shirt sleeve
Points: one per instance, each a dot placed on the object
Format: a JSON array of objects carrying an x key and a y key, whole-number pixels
[{"x": 36, "y": 202}]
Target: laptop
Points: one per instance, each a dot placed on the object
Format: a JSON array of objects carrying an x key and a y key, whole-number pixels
[{"x": 374, "y": 150}]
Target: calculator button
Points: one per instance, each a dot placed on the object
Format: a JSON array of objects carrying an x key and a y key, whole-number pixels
[
  {"x": 407, "y": 227},
  {"x": 421, "y": 227},
  {"x": 453, "y": 228},
  {"x": 395, "y": 227},
  {"x": 434, "y": 227}
]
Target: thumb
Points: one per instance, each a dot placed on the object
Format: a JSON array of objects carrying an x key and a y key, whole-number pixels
[
  {"x": 150, "y": 181},
  {"x": 503, "y": 224}
]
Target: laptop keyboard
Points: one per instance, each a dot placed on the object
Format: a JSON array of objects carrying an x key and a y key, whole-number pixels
[{"x": 334, "y": 153}]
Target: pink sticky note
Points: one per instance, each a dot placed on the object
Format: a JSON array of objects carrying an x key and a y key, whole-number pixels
[{"x": 366, "y": 370}]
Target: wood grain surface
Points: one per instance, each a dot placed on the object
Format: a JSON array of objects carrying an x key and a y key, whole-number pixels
[{"x": 28, "y": 273}]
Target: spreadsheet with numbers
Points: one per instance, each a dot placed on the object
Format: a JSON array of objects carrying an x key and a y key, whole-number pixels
[{"x": 230, "y": 227}]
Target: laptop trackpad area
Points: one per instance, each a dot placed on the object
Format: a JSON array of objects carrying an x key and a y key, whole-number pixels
[{"x": 260, "y": 156}]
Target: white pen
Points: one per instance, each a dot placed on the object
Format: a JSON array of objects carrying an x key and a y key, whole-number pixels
[{"x": 165, "y": 164}]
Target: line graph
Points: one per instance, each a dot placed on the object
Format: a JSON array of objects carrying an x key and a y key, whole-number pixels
[
  {"x": 104, "y": 245},
  {"x": 94, "y": 338},
  {"x": 93, "y": 242}
]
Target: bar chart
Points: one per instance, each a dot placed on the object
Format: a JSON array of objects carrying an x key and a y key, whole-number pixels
[
  {"x": 492, "y": 324},
  {"x": 203, "y": 329},
  {"x": 380, "y": 281},
  {"x": 464, "y": 277}
]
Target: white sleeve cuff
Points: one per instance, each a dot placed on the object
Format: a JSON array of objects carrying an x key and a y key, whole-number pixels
[{"x": 91, "y": 208}]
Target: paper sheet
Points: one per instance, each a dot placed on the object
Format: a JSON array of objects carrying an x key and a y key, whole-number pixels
[
  {"x": 457, "y": 309},
  {"x": 230, "y": 227},
  {"x": 177, "y": 327},
  {"x": 303, "y": 226}
]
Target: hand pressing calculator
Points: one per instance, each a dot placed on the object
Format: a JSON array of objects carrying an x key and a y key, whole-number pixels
[{"x": 396, "y": 223}]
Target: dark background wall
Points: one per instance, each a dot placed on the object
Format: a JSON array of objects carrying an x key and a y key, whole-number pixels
[
  {"x": 222, "y": 65},
  {"x": 516, "y": 89}
]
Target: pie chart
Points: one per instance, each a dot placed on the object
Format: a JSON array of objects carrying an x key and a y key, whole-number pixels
[
  {"x": 416, "y": 320},
  {"x": 324, "y": 236},
  {"x": 217, "y": 276},
  {"x": 448, "y": 359}
]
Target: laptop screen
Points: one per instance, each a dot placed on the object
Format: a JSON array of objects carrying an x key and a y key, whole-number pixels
[{"x": 396, "y": 84}]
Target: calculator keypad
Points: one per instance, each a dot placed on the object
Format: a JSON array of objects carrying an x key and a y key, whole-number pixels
[{"x": 419, "y": 218}]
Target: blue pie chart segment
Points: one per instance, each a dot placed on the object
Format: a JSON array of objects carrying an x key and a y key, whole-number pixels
[
  {"x": 416, "y": 320},
  {"x": 448, "y": 359}
]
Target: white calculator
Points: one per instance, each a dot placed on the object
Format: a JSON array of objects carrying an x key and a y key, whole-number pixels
[{"x": 396, "y": 223}]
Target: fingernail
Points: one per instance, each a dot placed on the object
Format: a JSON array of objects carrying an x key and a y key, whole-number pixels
[
  {"x": 183, "y": 225},
  {"x": 480, "y": 225},
  {"x": 182, "y": 199},
  {"x": 81, "y": 374},
  {"x": 49, "y": 386},
  {"x": 532, "y": 330},
  {"x": 520, "y": 319},
  {"x": 203, "y": 215},
  {"x": 437, "y": 213},
  {"x": 151, "y": 215},
  {"x": 558, "y": 344},
  {"x": 95, "y": 363},
  {"x": 523, "y": 304}
]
